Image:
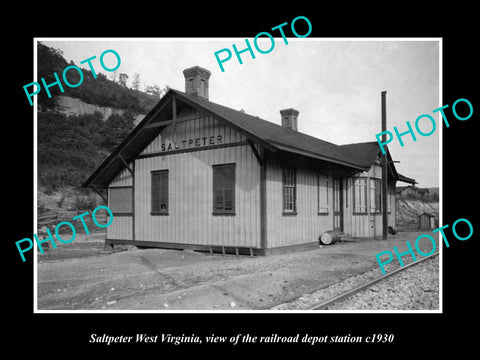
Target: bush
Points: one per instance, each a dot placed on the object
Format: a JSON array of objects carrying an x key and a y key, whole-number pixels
[{"x": 70, "y": 148}]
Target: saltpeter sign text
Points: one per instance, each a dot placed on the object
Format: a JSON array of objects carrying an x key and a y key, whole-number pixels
[{"x": 191, "y": 143}]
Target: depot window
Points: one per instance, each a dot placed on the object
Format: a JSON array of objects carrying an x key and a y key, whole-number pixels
[
  {"x": 375, "y": 196},
  {"x": 159, "y": 192},
  {"x": 360, "y": 195},
  {"x": 322, "y": 194},
  {"x": 120, "y": 200},
  {"x": 224, "y": 189},
  {"x": 289, "y": 191}
]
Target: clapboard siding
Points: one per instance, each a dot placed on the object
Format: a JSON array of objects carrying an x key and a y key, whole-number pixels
[
  {"x": 307, "y": 225},
  {"x": 190, "y": 219},
  {"x": 120, "y": 228}
]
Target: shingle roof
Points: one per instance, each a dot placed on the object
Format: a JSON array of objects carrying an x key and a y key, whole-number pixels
[
  {"x": 364, "y": 154},
  {"x": 276, "y": 135},
  {"x": 359, "y": 156}
]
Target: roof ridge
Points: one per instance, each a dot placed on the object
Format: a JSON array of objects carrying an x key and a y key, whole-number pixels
[{"x": 257, "y": 117}]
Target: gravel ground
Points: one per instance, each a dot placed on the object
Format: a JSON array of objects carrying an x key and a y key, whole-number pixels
[
  {"x": 81, "y": 275},
  {"x": 416, "y": 288}
]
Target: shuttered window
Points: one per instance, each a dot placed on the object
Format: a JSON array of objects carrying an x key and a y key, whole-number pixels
[
  {"x": 336, "y": 195},
  {"x": 289, "y": 191},
  {"x": 120, "y": 200},
  {"x": 160, "y": 192},
  {"x": 224, "y": 189},
  {"x": 375, "y": 195},
  {"x": 360, "y": 195},
  {"x": 322, "y": 194}
]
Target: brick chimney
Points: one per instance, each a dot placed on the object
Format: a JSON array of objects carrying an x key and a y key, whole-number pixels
[
  {"x": 196, "y": 81},
  {"x": 290, "y": 118}
]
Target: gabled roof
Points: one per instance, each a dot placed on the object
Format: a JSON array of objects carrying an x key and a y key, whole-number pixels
[
  {"x": 426, "y": 213},
  {"x": 277, "y": 136},
  {"x": 364, "y": 154},
  {"x": 358, "y": 156}
]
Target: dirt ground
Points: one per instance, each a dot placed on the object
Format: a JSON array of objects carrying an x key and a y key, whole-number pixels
[{"x": 82, "y": 276}]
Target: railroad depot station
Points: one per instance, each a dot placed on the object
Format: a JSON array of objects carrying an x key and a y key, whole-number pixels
[{"x": 197, "y": 175}]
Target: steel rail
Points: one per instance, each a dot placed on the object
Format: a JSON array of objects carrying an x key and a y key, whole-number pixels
[{"x": 346, "y": 294}]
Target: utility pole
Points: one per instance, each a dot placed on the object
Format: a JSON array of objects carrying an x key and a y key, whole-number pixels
[{"x": 384, "y": 162}]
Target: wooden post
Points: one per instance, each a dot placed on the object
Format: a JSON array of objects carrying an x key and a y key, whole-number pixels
[
  {"x": 384, "y": 169},
  {"x": 263, "y": 199}
]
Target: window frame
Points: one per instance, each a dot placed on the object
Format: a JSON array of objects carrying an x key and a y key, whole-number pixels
[
  {"x": 354, "y": 200},
  {"x": 129, "y": 201},
  {"x": 153, "y": 210},
  {"x": 322, "y": 177},
  {"x": 226, "y": 186},
  {"x": 291, "y": 187},
  {"x": 377, "y": 197}
]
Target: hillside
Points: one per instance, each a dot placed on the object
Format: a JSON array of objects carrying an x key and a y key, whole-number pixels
[
  {"x": 77, "y": 130},
  {"x": 409, "y": 209},
  {"x": 73, "y": 106},
  {"x": 96, "y": 91}
]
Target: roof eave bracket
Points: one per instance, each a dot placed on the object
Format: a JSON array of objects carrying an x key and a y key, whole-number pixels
[
  {"x": 260, "y": 160},
  {"x": 126, "y": 165}
]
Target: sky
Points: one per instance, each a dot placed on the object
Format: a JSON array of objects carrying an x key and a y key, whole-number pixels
[{"x": 336, "y": 84}]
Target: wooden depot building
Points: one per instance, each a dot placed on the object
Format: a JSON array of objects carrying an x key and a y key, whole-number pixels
[{"x": 198, "y": 175}]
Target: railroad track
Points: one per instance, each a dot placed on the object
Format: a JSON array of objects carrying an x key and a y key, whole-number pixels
[
  {"x": 326, "y": 303},
  {"x": 301, "y": 302}
]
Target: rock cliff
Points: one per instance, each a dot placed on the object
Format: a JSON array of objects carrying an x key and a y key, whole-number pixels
[
  {"x": 73, "y": 106},
  {"x": 408, "y": 211}
]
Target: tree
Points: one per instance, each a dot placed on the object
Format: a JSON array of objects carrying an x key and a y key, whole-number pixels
[
  {"x": 156, "y": 91},
  {"x": 49, "y": 61},
  {"x": 153, "y": 90},
  {"x": 122, "y": 80},
  {"x": 117, "y": 127},
  {"x": 164, "y": 91},
  {"x": 136, "y": 81}
]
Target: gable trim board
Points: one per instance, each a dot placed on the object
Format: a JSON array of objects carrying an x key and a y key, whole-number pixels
[{"x": 259, "y": 149}]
